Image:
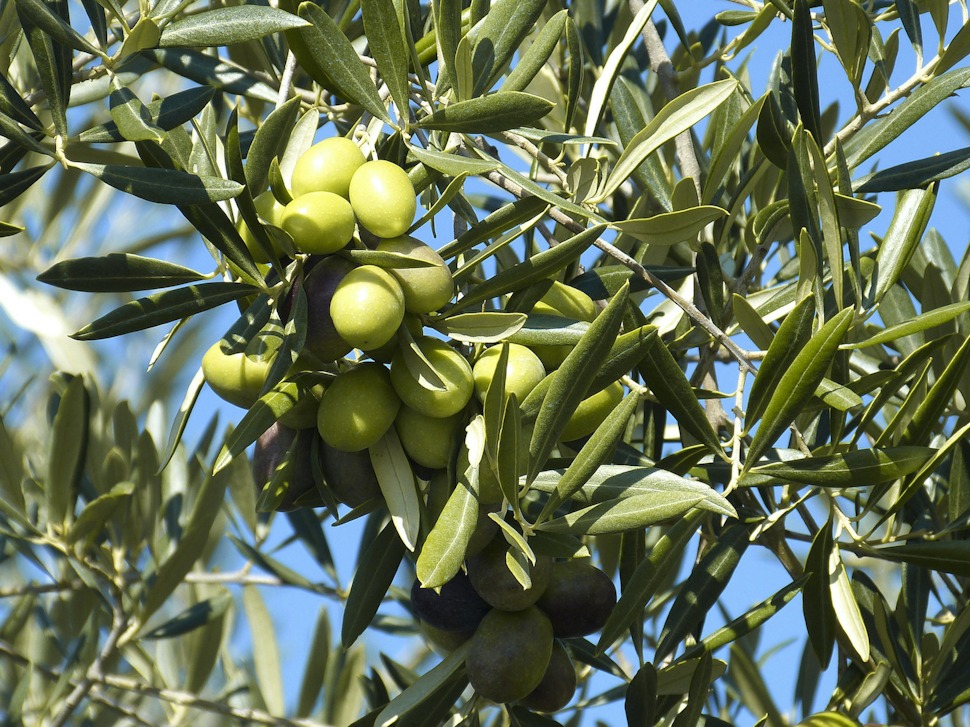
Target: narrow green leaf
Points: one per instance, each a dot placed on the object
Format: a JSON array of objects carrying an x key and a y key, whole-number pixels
[
  {"x": 670, "y": 228},
  {"x": 68, "y": 452},
  {"x": 798, "y": 384},
  {"x": 805, "y": 70},
  {"x": 662, "y": 373},
  {"x": 212, "y": 71},
  {"x": 845, "y": 607},
  {"x": 52, "y": 59},
  {"x": 92, "y": 519},
  {"x": 451, "y": 164},
  {"x": 16, "y": 183},
  {"x": 336, "y": 65},
  {"x": 945, "y": 556},
  {"x": 117, "y": 272},
  {"x": 930, "y": 412},
  {"x": 130, "y": 116},
  {"x": 398, "y": 487},
  {"x": 386, "y": 40},
  {"x": 537, "y": 54},
  {"x": 44, "y": 17},
  {"x": 628, "y": 513},
  {"x": 703, "y": 587},
  {"x": 270, "y": 143},
  {"x": 499, "y": 37},
  {"x": 266, "y": 655},
  {"x": 594, "y": 453},
  {"x": 571, "y": 381},
  {"x": 443, "y": 551},
  {"x": 858, "y": 468},
  {"x": 376, "y": 568},
  {"x": 488, "y": 114},
  {"x": 611, "y": 68},
  {"x": 794, "y": 332},
  {"x": 924, "y": 322},
  {"x": 849, "y": 26},
  {"x": 13, "y": 105},
  {"x": 165, "y": 186},
  {"x": 164, "y": 307},
  {"x": 956, "y": 51},
  {"x": 913, "y": 210},
  {"x": 535, "y": 268},
  {"x": 173, "y": 569},
  {"x": 316, "y": 665},
  {"x": 749, "y": 621},
  {"x": 917, "y": 173},
  {"x": 880, "y": 133},
  {"x": 227, "y": 25},
  {"x": 481, "y": 327},
  {"x": 192, "y": 618},
  {"x": 640, "y": 701},
  {"x": 909, "y": 17},
  {"x": 817, "y": 596},
  {"x": 726, "y": 157},
  {"x": 677, "y": 116}
]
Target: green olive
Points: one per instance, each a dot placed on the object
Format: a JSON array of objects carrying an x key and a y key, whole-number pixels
[
  {"x": 350, "y": 476},
  {"x": 523, "y": 372},
  {"x": 236, "y": 377},
  {"x": 429, "y": 441},
  {"x": 592, "y": 411},
  {"x": 357, "y": 408},
  {"x": 319, "y": 222},
  {"x": 367, "y": 307},
  {"x": 454, "y": 370},
  {"x": 426, "y": 289},
  {"x": 320, "y": 284},
  {"x": 383, "y": 198},
  {"x": 558, "y": 684},
  {"x": 327, "y": 166},
  {"x": 509, "y": 653},
  {"x": 579, "y": 598},
  {"x": 492, "y": 579},
  {"x": 270, "y": 452},
  {"x": 270, "y": 211}
]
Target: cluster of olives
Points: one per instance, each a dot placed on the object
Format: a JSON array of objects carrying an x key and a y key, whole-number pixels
[{"x": 516, "y": 653}]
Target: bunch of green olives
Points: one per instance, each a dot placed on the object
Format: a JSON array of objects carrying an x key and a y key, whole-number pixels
[{"x": 517, "y": 652}]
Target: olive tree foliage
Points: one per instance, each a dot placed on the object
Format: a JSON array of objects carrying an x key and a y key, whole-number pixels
[{"x": 797, "y": 370}]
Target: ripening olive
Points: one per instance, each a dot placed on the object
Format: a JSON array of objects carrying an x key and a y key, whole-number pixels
[
  {"x": 357, "y": 408},
  {"x": 454, "y": 370},
  {"x": 327, "y": 166},
  {"x": 509, "y": 654},
  {"x": 492, "y": 579},
  {"x": 322, "y": 339},
  {"x": 270, "y": 211},
  {"x": 523, "y": 372},
  {"x": 349, "y": 475},
  {"x": 558, "y": 683},
  {"x": 579, "y": 598},
  {"x": 236, "y": 377},
  {"x": 269, "y": 453},
  {"x": 455, "y": 607},
  {"x": 383, "y": 198},
  {"x": 319, "y": 222},
  {"x": 429, "y": 441},
  {"x": 592, "y": 411},
  {"x": 426, "y": 289},
  {"x": 367, "y": 307}
]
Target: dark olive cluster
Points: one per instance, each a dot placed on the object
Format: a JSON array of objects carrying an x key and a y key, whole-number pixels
[{"x": 516, "y": 653}]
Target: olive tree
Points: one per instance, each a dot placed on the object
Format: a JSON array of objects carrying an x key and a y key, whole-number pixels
[{"x": 546, "y": 303}]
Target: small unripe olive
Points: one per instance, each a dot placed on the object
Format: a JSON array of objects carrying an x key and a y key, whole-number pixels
[
  {"x": 327, "y": 166},
  {"x": 383, "y": 198},
  {"x": 271, "y": 211},
  {"x": 492, "y": 579},
  {"x": 592, "y": 411},
  {"x": 429, "y": 441},
  {"x": 454, "y": 370},
  {"x": 523, "y": 372},
  {"x": 578, "y": 599},
  {"x": 319, "y": 222},
  {"x": 367, "y": 307},
  {"x": 509, "y": 654},
  {"x": 425, "y": 289},
  {"x": 558, "y": 683},
  {"x": 357, "y": 408},
  {"x": 236, "y": 377}
]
